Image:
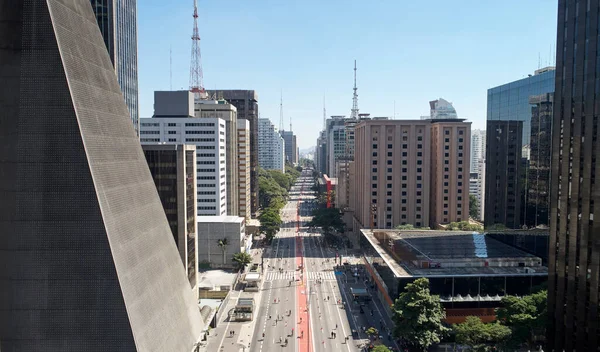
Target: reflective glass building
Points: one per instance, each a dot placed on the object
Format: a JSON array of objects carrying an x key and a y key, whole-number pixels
[{"x": 117, "y": 20}]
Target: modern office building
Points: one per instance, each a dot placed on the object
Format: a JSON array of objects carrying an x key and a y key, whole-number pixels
[
  {"x": 271, "y": 147},
  {"x": 574, "y": 262},
  {"x": 391, "y": 173},
  {"x": 223, "y": 110},
  {"x": 117, "y": 20},
  {"x": 477, "y": 187},
  {"x": 246, "y": 103},
  {"x": 508, "y": 110},
  {"x": 321, "y": 153},
  {"x": 291, "y": 148},
  {"x": 219, "y": 238},
  {"x": 88, "y": 260},
  {"x": 440, "y": 109},
  {"x": 243, "y": 157},
  {"x": 449, "y": 175},
  {"x": 174, "y": 122},
  {"x": 477, "y": 148},
  {"x": 335, "y": 135},
  {"x": 173, "y": 168}
]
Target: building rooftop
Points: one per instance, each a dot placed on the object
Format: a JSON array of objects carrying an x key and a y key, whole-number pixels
[
  {"x": 220, "y": 218},
  {"x": 212, "y": 279},
  {"x": 450, "y": 253}
]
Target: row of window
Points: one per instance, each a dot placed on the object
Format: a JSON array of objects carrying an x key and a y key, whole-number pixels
[
  {"x": 207, "y": 208},
  {"x": 206, "y": 170},
  {"x": 208, "y": 193},
  {"x": 199, "y": 132},
  {"x": 199, "y": 139},
  {"x": 200, "y": 124}
]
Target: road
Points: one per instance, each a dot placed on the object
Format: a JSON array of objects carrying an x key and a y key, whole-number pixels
[{"x": 302, "y": 300}]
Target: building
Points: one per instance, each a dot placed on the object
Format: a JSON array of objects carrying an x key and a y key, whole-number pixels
[
  {"x": 117, "y": 20},
  {"x": 271, "y": 147},
  {"x": 504, "y": 167},
  {"x": 243, "y": 157},
  {"x": 173, "y": 168},
  {"x": 223, "y": 110},
  {"x": 335, "y": 135},
  {"x": 477, "y": 148},
  {"x": 477, "y": 187},
  {"x": 219, "y": 238},
  {"x": 174, "y": 122},
  {"x": 440, "y": 109},
  {"x": 246, "y": 103},
  {"x": 449, "y": 175},
  {"x": 574, "y": 261},
  {"x": 509, "y": 111},
  {"x": 321, "y": 153},
  {"x": 391, "y": 173},
  {"x": 291, "y": 148},
  {"x": 470, "y": 272},
  {"x": 88, "y": 260}
]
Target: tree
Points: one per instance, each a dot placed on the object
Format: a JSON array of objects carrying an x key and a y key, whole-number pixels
[
  {"x": 372, "y": 332},
  {"x": 270, "y": 221},
  {"x": 381, "y": 348},
  {"x": 328, "y": 219},
  {"x": 242, "y": 259},
  {"x": 223, "y": 243},
  {"x": 463, "y": 226},
  {"x": 418, "y": 316},
  {"x": 473, "y": 207},
  {"x": 526, "y": 317},
  {"x": 478, "y": 335}
]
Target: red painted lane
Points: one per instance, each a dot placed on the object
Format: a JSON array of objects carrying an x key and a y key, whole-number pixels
[{"x": 301, "y": 290}]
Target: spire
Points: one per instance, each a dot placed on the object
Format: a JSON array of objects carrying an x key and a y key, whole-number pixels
[{"x": 354, "y": 112}]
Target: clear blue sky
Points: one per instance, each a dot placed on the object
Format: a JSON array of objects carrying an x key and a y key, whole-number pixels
[{"x": 409, "y": 52}]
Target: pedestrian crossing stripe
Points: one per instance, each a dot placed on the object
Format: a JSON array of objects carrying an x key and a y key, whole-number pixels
[
  {"x": 276, "y": 275},
  {"x": 292, "y": 275},
  {"x": 323, "y": 275}
]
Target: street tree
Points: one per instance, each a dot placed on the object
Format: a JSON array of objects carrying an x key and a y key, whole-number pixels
[
  {"x": 480, "y": 336},
  {"x": 473, "y": 206},
  {"x": 526, "y": 317},
  {"x": 380, "y": 348},
  {"x": 418, "y": 316},
  {"x": 242, "y": 259}
]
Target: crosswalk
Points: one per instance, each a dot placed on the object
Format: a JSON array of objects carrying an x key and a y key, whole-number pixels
[{"x": 292, "y": 275}]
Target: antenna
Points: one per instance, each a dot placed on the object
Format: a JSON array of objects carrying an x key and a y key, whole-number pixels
[
  {"x": 324, "y": 114},
  {"x": 290, "y": 124},
  {"x": 354, "y": 112},
  {"x": 170, "y": 67},
  {"x": 281, "y": 112},
  {"x": 196, "y": 75}
]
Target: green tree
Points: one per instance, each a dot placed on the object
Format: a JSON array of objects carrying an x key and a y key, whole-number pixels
[
  {"x": 372, "y": 332},
  {"x": 418, "y": 316},
  {"x": 473, "y": 207},
  {"x": 328, "y": 219},
  {"x": 405, "y": 227},
  {"x": 526, "y": 317},
  {"x": 242, "y": 259},
  {"x": 463, "y": 226},
  {"x": 478, "y": 335},
  {"x": 270, "y": 221},
  {"x": 496, "y": 227},
  {"x": 381, "y": 348},
  {"x": 223, "y": 243}
]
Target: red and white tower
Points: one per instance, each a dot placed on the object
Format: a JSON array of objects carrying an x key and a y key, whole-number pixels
[{"x": 196, "y": 75}]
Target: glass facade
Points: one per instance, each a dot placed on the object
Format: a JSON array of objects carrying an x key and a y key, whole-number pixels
[{"x": 117, "y": 20}]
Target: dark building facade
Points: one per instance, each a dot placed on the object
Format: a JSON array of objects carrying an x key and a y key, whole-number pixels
[
  {"x": 246, "y": 103},
  {"x": 173, "y": 168},
  {"x": 574, "y": 261},
  {"x": 507, "y": 104},
  {"x": 87, "y": 261},
  {"x": 503, "y": 173},
  {"x": 117, "y": 20}
]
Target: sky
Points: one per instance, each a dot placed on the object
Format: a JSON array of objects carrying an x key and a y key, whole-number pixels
[{"x": 407, "y": 52}]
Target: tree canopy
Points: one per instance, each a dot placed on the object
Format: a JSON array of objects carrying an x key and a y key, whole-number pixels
[
  {"x": 418, "y": 316},
  {"x": 478, "y": 335},
  {"x": 242, "y": 259},
  {"x": 473, "y": 207},
  {"x": 526, "y": 317},
  {"x": 463, "y": 226},
  {"x": 328, "y": 219}
]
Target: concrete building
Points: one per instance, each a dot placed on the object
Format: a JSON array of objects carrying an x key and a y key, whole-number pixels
[
  {"x": 335, "y": 135},
  {"x": 509, "y": 111},
  {"x": 246, "y": 103},
  {"x": 243, "y": 157},
  {"x": 117, "y": 21},
  {"x": 271, "y": 147},
  {"x": 223, "y": 110},
  {"x": 450, "y": 158},
  {"x": 173, "y": 168},
  {"x": 291, "y": 148},
  {"x": 212, "y": 230},
  {"x": 574, "y": 261},
  {"x": 88, "y": 261},
  {"x": 391, "y": 173},
  {"x": 477, "y": 188},
  {"x": 477, "y": 148},
  {"x": 175, "y": 123}
]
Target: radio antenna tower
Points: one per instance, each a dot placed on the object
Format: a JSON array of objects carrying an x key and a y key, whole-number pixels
[
  {"x": 354, "y": 112},
  {"x": 281, "y": 112},
  {"x": 196, "y": 75}
]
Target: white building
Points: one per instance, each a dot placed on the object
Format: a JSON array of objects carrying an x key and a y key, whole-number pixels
[
  {"x": 477, "y": 148},
  {"x": 243, "y": 158},
  {"x": 477, "y": 186},
  {"x": 230, "y": 230},
  {"x": 173, "y": 122},
  {"x": 271, "y": 147}
]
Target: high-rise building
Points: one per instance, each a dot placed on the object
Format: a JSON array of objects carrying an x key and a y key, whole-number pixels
[
  {"x": 246, "y": 103},
  {"x": 574, "y": 261},
  {"x": 477, "y": 187},
  {"x": 88, "y": 261},
  {"x": 174, "y": 122},
  {"x": 477, "y": 148},
  {"x": 117, "y": 20},
  {"x": 243, "y": 127},
  {"x": 335, "y": 136},
  {"x": 509, "y": 111},
  {"x": 450, "y": 158},
  {"x": 440, "y": 109},
  {"x": 291, "y": 149},
  {"x": 321, "y": 153},
  {"x": 271, "y": 147},
  {"x": 173, "y": 168},
  {"x": 220, "y": 238},
  {"x": 223, "y": 110}
]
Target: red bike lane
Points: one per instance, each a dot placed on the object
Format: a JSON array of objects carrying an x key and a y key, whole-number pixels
[{"x": 301, "y": 290}]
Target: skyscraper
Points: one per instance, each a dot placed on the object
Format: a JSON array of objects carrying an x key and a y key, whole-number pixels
[
  {"x": 271, "y": 146},
  {"x": 574, "y": 260},
  {"x": 117, "y": 20},
  {"x": 87, "y": 258}
]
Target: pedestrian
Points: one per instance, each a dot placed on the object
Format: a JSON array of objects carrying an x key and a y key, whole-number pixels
[{"x": 336, "y": 326}]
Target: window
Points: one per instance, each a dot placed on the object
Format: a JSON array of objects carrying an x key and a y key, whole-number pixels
[
  {"x": 447, "y": 140},
  {"x": 419, "y": 177},
  {"x": 403, "y": 216},
  {"x": 404, "y": 185},
  {"x": 404, "y": 193},
  {"x": 419, "y": 146},
  {"x": 460, "y": 140},
  {"x": 447, "y": 155},
  {"x": 418, "y": 193},
  {"x": 404, "y": 146},
  {"x": 389, "y": 153},
  {"x": 389, "y": 193},
  {"x": 445, "y": 205},
  {"x": 374, "y": 201},
  {"x": 418, "y": 169},
  {"x": 389, "y": 178},
  {"x": 458, "y": 212},
  {"x": 374, "y": 169},
  {"x": 460, "y": 155},
  {"x": 403, "y": 162},
  {"x": 419, "y": 153},
  {"x": 459, "y": 198},
  {"x": 389, "y": 185},
  {"x": 404, "y": 169},
  {"x": 374, "y": 162},
  {"x": 419, "y": 201},
  {"x": 374, "y": 153},
  {"x": 389, "y": 162},
  {"x": 459, "y": 184},
  {"x": 418, "y": 208},
  {"x": 461, "y": 132},
  {"x": 404, "y": 178},
  {"x": 419, "y": 162},
  {"x": 403, "y": 208},
  {"x": 403, "y": 201},
  {"x": 446, "y": 177},
  {"x": 374, "y": 178},
  {"x": 447, "y": 147},
  {"x": 389, "y": 169},
  {"x": 446, "y": 162},
  {"x": 374, "y": 193},
  {"x": 445, "y": 212},
  {"x": 446, "y": 169},
  {"x": 172, "y": 139},
  {"x": 447, "y": 132},
  {"x": 404, "y": 154},
  {"x": 374, "y": 146},
  {"x": 445, "y": 184},
  {"x": 389, "y": 208},
  {"x": 389, "y": 146},
  {"x": 374, "y": 185},
  {"x": 418, "y": 185},
  {"x": 389, "y": 201}
]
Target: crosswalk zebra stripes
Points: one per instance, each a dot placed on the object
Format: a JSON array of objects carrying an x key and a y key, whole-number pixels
[{"x": 292, "y": 275}]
